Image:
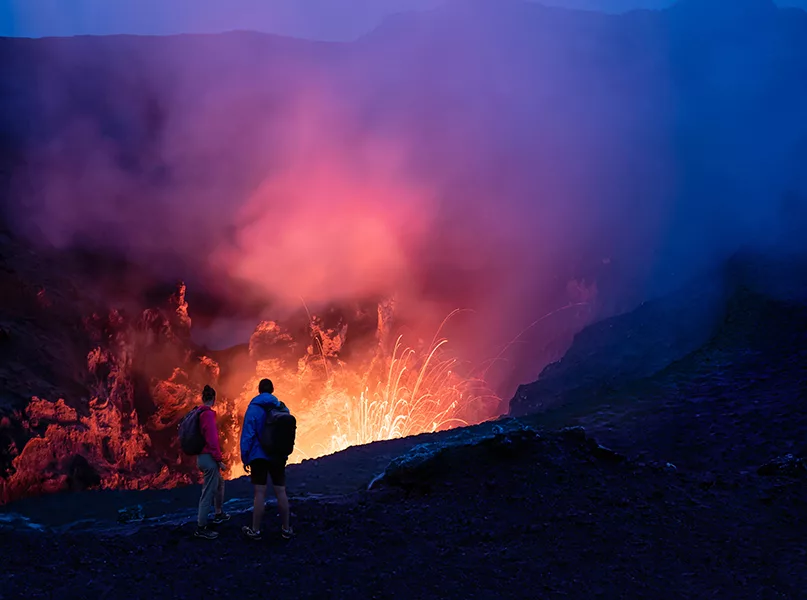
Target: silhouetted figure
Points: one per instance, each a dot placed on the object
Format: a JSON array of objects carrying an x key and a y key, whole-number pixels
[
  {"x": 260, "y": 463},
  {"x": 211, "y": 465}
]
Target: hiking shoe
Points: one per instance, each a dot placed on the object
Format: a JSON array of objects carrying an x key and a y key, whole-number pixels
[
  {"x": 205, "y": 533},
  {"x": 287, "y": 534},
  {"x": 250, "y": 533},
  {"x": 220, "y": 518}
]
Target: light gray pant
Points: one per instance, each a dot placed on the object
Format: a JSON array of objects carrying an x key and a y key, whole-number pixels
[{"x": 212, "y": 488}]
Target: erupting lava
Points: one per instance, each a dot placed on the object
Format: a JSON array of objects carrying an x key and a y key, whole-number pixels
[
  {"x": 349, "y": 375},
  {"x": 394, "y": 391},
  {"x": 409, "y": 402},
  {"x": 145, "y": 373}
]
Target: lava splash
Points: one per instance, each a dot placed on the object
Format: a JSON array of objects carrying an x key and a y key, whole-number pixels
[{"x": 377, "y": 389}]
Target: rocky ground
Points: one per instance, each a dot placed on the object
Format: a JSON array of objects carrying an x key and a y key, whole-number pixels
[{"x": 513, "y": 514}]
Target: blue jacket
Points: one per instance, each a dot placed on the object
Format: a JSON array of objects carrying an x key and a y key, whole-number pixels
[{"x": 254, "y": 419}]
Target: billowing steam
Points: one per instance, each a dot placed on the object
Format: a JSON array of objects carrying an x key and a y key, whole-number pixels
[
  {"x": 509, "y": 159},
  {"x": 336, "y": 218}
]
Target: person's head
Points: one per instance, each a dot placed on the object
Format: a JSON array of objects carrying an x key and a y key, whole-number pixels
[
  {"x": 209, "y": 396},
  {"x": 266, "y": 387}
]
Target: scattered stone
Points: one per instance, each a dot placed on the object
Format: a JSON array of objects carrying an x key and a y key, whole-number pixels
[
  {"x": 603, "y": 453},
  {"x": 132, "y": 514},
  {"x": 787, "y": 465},
  {"x": 424, "y": 462},
  {"x": 766, "y": 498},
  {"x": 576, "y": 434},
  {"x": 81, "y": 475}
]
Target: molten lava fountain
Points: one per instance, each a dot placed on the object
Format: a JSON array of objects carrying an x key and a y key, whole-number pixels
[{"x": 391, "y": 390}]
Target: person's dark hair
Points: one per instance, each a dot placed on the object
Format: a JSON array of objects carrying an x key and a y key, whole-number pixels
[
  {"x": 208, "y": 395},
  {"x": 266, "y": 387}
]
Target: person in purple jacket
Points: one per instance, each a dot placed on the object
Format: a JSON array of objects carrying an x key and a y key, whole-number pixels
[{"x": 262, "y": 467}]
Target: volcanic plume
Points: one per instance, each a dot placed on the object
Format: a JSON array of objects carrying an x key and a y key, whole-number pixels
[{"x": 521, "y": 169}]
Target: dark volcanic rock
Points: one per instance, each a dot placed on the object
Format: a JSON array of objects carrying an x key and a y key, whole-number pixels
[
  {"x": 132, "y": 514},
  {"x": 612, "y": 354},
  {"x": 784, "y": 465},
  {"x": 731, "y": 403},
  {"x": 88, "y": 390},
  {"x": 603, "y": 453},
  {"x": 81, "y": 475},
  {"x": 545, "y": 520},
  {"x": 427, "y": 464},
  {"x": 622, "y": 349},
  {"x": 270, "y": 340},
  {"x": 485, "y": 450}
]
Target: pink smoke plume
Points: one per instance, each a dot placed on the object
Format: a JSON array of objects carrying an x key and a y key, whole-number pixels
[{"x": 336, "y": 220}]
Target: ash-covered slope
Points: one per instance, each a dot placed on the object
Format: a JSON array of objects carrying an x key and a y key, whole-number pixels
[
  {"x": 707, "y": 380},
  {"x": 614, "y": 352},
  {"x": 515, "y": 513}
]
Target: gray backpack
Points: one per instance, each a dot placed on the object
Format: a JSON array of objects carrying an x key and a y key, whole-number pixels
[{"x": 190, "y": 433}]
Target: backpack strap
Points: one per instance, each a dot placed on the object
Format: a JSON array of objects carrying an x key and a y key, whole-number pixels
[{"x": 270, "y": 409}]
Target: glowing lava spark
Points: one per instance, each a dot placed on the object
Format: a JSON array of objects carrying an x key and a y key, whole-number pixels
[
  {"x": 400, "y": 392},
  {"x": 411, "y": 399}
]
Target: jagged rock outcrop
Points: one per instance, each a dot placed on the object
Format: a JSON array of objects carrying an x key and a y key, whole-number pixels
[
  {"x": 427, "y": 465},
  {"x": 613, "y": 352},
  {"x": 270, "y": 340},
  {"x": 140, "y": 376},
  {"x": 787, "y": 465}
]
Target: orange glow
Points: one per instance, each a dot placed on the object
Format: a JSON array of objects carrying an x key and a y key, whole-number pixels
[{"x": 402, "y": 391}]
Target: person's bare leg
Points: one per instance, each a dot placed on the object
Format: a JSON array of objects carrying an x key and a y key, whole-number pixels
[
  {"x": 258, "y": 507},
  {"x": 282, "y": 505}
]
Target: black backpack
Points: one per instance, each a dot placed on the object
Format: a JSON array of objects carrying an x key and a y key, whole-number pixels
[
  {"x": 279, "y": 431},
  {"x": 190, "y": 433}
]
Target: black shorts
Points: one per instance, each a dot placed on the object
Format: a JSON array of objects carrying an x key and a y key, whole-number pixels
[{"x": 260, "y": 468}]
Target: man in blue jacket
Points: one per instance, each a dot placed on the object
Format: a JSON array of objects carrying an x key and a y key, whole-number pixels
[{"x": 259, "y": 465}]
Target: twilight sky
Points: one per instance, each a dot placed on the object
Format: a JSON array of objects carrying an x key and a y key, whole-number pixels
[{"x": 315, "y": 19}]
